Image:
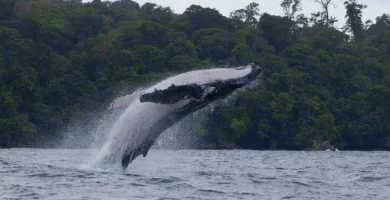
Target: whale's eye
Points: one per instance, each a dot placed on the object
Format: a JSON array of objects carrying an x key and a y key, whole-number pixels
[{"x": 240, "y": 68}]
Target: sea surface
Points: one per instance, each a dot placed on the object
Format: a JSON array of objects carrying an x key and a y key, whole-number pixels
[{"x": 194, "y": 174}]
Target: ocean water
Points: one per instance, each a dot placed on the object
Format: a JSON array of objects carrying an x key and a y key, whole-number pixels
[{"x": 195, "y": 174}]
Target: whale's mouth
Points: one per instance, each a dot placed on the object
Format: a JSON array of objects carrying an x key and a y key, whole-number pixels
[{"x": 202, "y": 92}]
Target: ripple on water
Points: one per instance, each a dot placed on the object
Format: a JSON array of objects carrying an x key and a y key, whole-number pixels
[
  {"x": 162, "y": 180},
  {"x": 300, "y": 183},
  {"x": 181, "y": 186},
  {"x": 371, "y": 179},
  {"x": 289, "y": 197},
  {"x": 45, "y": 175},
  {"x": 205, "y": 173},
  {"x": 3, "y": 162},
  {"x": 9, "y": 171},
  {"x": 133, "y": 175},
  {"x": 31, "y": 195},
  {"x": 222, "y": 183},
  {"x": 240, "y": 194},
  {"x": 259, "y": 176},
  {"x": 258, "y": 182},
  {"x": 211, "y": 191},
  {"x": 137, "y": 185}
]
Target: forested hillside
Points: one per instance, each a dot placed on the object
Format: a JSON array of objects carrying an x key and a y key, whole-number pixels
[{"x": 62, "y": 61}]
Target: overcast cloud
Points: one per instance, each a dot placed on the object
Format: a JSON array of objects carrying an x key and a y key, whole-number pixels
[{"x": 375, "y": 7}]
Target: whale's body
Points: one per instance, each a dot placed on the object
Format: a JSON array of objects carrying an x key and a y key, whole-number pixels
[{"x": 150, "y": 112}]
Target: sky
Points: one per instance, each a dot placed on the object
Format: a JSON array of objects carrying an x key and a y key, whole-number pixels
[{"x": 375, "y": 7}]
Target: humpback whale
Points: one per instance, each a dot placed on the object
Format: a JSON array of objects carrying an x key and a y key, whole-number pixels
[{"x": 151, "y": 111}]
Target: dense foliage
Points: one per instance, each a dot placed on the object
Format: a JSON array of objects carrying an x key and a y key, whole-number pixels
[{"x": 62, "y": 61}]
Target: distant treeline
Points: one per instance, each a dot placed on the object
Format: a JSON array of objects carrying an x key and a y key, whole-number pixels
[{"x": 62, "y": 61}]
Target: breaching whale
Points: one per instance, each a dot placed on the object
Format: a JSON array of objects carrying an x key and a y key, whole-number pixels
[{"x": 151, "y": 111}]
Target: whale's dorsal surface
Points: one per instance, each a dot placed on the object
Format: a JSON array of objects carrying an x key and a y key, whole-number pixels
[{"x": 151, "y": 111}]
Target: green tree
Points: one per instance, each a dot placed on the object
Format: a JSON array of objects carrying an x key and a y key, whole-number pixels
[
  {"x": 354, "y": 18},
  {"x": 249, "y": 15},
  {"x": 276, "y": 30},
  {"x": 326, "y": 19},
  {"x": 291, "y": 7},
  {"x": 214, "y": 44},
  {"x": 204, "y": 18}
]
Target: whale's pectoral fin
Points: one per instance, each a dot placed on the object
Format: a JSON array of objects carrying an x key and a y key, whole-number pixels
[{"x": 174, "y": 94}]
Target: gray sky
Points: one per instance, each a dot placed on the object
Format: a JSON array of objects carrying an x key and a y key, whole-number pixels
[{"x": 375, "y": 7}]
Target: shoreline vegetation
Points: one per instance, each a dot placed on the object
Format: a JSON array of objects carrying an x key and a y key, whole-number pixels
[{"x": 63, "y": 61}]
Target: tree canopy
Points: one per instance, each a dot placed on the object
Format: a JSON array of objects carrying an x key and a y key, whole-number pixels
[{"x": 63, "y": 61}]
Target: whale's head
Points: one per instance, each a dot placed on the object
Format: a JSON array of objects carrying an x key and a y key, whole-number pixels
[
  {"x": 223, "y": 87},
  {"x": 202, "y": 86}
]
